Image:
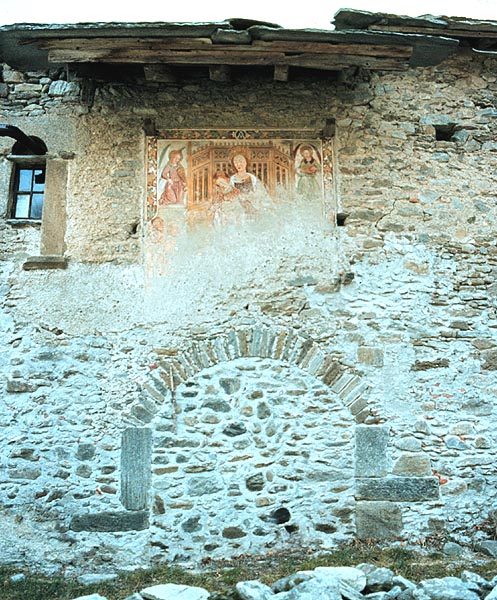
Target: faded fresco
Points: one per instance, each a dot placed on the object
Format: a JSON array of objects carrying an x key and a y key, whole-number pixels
[{"x": 227, "y": 180}]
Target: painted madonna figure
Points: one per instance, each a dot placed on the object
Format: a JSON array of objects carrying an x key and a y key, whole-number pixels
[{"x": 239, "y": 196}]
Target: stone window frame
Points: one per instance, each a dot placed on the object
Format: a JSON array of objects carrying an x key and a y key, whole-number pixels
[
  {"x": 27, "y": 161},
  {"x": 53, "y": 220}
]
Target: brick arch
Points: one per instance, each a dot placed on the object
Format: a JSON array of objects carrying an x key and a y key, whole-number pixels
[{"x": 284, "y": 345}]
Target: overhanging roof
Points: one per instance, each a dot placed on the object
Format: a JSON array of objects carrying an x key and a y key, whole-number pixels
[{"x": 225, "y": 43}]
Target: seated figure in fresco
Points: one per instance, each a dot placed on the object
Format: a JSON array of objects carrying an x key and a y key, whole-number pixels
[
  {"x": 238, "y": 196},
  {"x": 308, "y": 173},
  {"x": 175, "y": 180}
]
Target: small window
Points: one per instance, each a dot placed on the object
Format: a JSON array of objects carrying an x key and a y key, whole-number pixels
[{"x": 28, "y": 191}]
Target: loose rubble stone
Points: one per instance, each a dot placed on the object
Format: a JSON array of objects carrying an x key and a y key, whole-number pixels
[
  {"x": 96, "y": 578},
  {"x": 488, "y": 547},
  {"x": 453, "y": 549},
  {"x": 354, "y": 577},
  {"x": 377, "y": 578},
  {"x": 254, "y": 590},
  {"x": 447, "y": 588}
]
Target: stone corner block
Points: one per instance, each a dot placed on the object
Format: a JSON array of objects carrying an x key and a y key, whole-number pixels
[
  {"x": 110, "y": 521},
  {"x": 136, "y": 467},
  {"x": 378, "y": 520},
  {"x": 398, "y": 489},
  {"x": 371, "y": 455}
]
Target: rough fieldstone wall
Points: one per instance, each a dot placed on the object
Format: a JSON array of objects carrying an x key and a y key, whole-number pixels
[{"x": 401, "y": 299}]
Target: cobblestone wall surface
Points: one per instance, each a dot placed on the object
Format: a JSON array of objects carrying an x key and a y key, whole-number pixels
[{"x": 265, "y": 445}]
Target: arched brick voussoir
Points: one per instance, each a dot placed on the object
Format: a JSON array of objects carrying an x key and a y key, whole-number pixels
[{"x": 285, "y": 345}]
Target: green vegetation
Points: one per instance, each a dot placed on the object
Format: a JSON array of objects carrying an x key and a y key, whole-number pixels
[{"x": 221, "y": 576}]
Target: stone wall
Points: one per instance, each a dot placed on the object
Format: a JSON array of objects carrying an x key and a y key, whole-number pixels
[{"x": 254, "y": 445}]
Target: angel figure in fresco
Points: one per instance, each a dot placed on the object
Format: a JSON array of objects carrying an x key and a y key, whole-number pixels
[
  {"x": 308, "y": 172},
  {"x": 175, "y": 180}
]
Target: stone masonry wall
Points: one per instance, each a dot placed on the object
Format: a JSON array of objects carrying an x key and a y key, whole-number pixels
[{"x": 254, "y": 449}]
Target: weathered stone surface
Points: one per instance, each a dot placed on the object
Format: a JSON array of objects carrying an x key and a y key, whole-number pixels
[
  {"x": 20, "y": 386},
  {"x": 234, "y": 429},
  {"x": 371, "y": 450},
  {"x": 452, "y": 441},
  {"x": 63, "y": 88},
  {"x": 492, "y": 595},
  {"x": 453, "y": 549},
  {"x": 488, "y": 547},
  {"x": 96, "y": 578},
  {"x": 233, "y": 533},
  {"x": 230, "y": 385},
  {"x": 416, "y": 465},
  {"x": 136, "y": 456},
  {"x": 400, "y": 489},
  {"x": 254, "y": 590},
  {"x": 377, "y": 578},
  {"x": 287, "y": 583},
  {"x": 352, "y": 576},
  {"x": 370, "y": 356},
  {"x": 110, "y": 521},
  {"x": 378, "y": 520},
  {"x": 85, "y": 451},
  {"x": 447, "y": 588},
  {"x": 218, "y": 405},
  {"x": 315, "y": 588},
  {"x": 172, "y": 591},
  {"x": 475, "y": 582},
  {"x": 255, "y": 483},
  {"x": 200, "y": 486},
  {"x": 192, "y": 524},
  {"x": 25, "y": 473}
]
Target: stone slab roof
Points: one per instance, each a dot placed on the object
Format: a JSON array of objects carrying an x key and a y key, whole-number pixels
[{"x": 476, "y": 33}]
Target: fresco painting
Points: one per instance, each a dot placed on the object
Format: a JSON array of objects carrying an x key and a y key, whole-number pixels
[{"x": 194, "y": 185}]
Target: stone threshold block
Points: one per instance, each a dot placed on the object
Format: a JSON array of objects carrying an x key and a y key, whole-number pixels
[
  {"x": 399, "y": 489},
  {"x": 111, "y": 521},
  {"x": 33, "y": 263}
]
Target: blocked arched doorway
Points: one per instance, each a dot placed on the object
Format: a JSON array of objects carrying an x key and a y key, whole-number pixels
[{"x": 257, "y": 454}]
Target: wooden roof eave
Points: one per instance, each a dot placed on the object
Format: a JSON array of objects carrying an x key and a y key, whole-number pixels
[
  {"x": 427, "y": 50},
  {"x": 217, "y": 44}
]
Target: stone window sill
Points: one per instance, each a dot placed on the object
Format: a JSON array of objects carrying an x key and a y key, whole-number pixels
[
  {"x": 45, "y": 262},
  {"x": 24, "y": 222}
]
